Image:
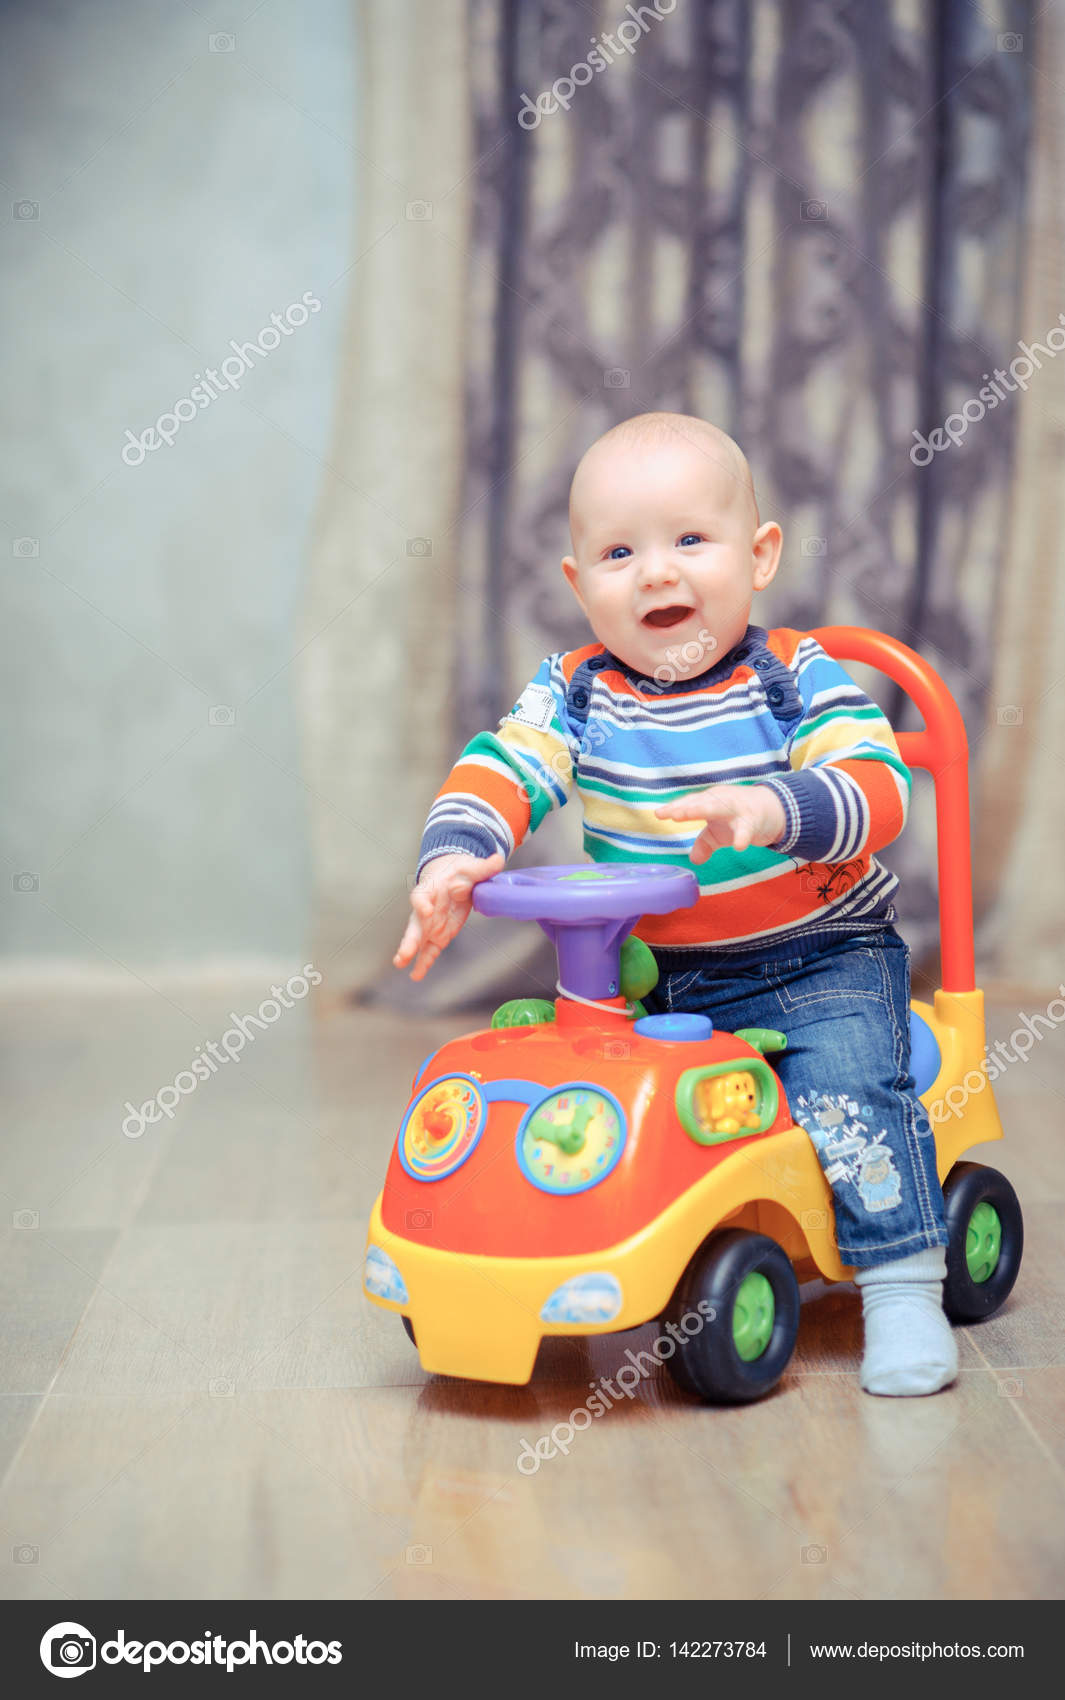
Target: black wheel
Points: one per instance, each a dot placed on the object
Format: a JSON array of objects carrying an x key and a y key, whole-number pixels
[
  {"x": 408, "y": 1325},
  {"x": 986, "y": 1241},
  {"x": 742, "y": 1288}
]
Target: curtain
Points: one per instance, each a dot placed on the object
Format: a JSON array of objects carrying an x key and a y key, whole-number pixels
[
  {"x": 802, "y": 220},
  {"x": 1016, "y": 748},
  {"x": 376, "y": 651}
]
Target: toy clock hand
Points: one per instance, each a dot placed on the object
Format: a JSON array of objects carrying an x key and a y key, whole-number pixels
[{"x": 570, "y": 1139}]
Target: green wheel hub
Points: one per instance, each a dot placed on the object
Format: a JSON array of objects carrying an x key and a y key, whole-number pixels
[
  {"x": 753, "y": 1313},
  {"x": 983, "y": 1242}
]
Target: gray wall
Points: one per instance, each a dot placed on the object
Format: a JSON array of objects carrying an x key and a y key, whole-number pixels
[{"x": 177, "y": 195}]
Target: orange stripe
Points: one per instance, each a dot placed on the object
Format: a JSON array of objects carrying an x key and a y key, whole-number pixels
[
  {"x": 624, "y": 687},
  {"x": 506, "y": 796},
  {"x": 573, "y": 658},
  {"x": 783, "y": 902},
  {"x": 784, "y": 641}
]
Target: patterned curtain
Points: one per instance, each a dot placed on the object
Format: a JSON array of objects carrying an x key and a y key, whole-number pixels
[{"x": 800, "y": 219}]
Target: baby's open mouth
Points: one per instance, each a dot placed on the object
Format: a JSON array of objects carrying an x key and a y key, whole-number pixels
[{"x": 671, "y": 616}]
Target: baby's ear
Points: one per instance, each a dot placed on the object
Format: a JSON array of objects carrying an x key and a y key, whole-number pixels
[
  {"x": 572, "y": 577},
  {"x": 766, "y": 547}
]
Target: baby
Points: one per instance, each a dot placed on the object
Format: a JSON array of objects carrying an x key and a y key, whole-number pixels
[{"x": 695, "y": 737}]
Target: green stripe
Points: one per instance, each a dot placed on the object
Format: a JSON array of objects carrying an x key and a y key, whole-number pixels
[
  {"x": 633, "y": 792},
  {"x": 881, "y": 753},
  {"x": 868, "y": 711},
  {"x": 723, "y": 864},
  {"x": 540, "y": 801},
  {"x": 889, "y": 759}
]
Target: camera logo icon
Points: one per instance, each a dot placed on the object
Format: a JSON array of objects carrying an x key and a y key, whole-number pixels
[
  {"x": 814, "y": 1219},
  {"x": 23, "y": 210},
  {"x": 1010, "y": 43},
  {"x": 616, "y": 378},
  {"x": 68, "y": 1649},
  {"x": 419, "y": 545},
  {"x": 419, "y": 1555},
  {"x": 813, "y": 546},
  {"x": 25, "y": 548},
  {"x": 223, "y": 42},
  {"x": 813, "y": 210},
  {"x": 616, "y": 1050},
  {"x": 418, "y": 1220},
  {"x": 220, "y": 715},
  {"x": 25, "y": 882},
  {"x": 1010, "y": 715},
  {"x": 418, "y": 210},
  {"x": 813, "y": 1554}
]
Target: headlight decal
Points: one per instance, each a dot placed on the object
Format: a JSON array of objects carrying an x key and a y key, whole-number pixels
[
  {"x": 381, "y": 1277},
  {"x": 595, "y": 1297}
]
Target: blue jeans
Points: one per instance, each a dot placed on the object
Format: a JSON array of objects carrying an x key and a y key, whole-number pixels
[{"x": 844, "y": 1004}]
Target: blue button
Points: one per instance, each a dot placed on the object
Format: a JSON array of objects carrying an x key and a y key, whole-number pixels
[
  {"x": 580, "y": 698},
  {"x": 596, "y": 662},
  {"x": 775, "y": 695},
  {"x": 676, "y": 1028}
]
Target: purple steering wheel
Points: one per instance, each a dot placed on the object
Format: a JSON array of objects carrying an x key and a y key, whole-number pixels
[{"x": 586, "y": 910}]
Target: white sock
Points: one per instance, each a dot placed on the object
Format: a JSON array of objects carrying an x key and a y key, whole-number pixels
[{"x": 909, "y": 1344}]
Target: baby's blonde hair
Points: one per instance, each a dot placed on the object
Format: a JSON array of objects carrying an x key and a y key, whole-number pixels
[{"x": 656, "y": 429}]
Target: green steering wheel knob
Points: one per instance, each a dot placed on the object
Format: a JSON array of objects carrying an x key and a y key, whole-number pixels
[
  {"x": 639, "y": 970},
  {"x": 524, "y": 1012},
  {"x": 764, "y": 1039}
]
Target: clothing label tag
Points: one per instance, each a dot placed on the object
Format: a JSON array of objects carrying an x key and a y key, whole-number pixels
[{"x": 535, "y": 707}]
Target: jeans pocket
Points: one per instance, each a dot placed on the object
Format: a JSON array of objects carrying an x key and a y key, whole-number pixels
[
  {"x": 827, "y": 981},
  {"x": 782, "y": 969},
  {"x": 677, "y": 985}
]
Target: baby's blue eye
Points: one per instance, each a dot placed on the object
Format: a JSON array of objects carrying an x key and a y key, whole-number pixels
[
  {"x": 690, "y": 537},
  {"x": 619, "y": 552}
]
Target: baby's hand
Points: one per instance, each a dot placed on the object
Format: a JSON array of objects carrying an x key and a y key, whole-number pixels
[
  {"x": 736, "y": 817},
  {"x": 441, "y": 902}
]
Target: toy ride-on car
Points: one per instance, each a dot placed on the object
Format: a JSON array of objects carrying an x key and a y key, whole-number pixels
[{"x": 583, "y": 1168}]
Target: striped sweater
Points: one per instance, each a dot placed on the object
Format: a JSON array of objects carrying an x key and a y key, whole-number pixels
[{"x": 775, "y": 711}]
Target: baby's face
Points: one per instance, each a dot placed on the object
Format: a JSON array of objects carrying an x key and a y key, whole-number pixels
[{"x": 666, "y": 555}]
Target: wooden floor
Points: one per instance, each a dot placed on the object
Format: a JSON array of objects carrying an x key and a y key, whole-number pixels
[{"x": 198, "y": 1402}]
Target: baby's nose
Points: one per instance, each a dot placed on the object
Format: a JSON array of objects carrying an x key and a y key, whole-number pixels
[{"x": 659, "y": 569}]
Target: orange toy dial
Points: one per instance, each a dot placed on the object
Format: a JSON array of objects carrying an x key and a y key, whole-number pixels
[{"x": 441, "y": 1127}]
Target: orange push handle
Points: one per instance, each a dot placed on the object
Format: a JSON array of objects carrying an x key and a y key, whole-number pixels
[{"x": 942, "y": 748}]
